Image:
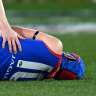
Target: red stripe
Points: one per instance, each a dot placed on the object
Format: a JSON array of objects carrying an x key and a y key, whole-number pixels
[
  {"x": 57, "y": 55},
  {"x": 55, "y": 70},
  {"x": 76, "y": 56}
]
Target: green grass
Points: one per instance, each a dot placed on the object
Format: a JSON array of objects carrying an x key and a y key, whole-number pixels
[
  {"x": 82, "y": 44},
  {"x": 50, "y": 6},
  {"x": 51, "y": 20}
]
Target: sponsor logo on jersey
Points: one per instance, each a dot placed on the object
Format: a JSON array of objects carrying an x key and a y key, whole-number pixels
[
  {"x": 9, "y": 68},
  {"x": 70, "y": 56}
]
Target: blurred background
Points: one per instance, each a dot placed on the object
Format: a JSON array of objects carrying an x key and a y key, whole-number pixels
[
  {"x": 58, "y": 17},
  {"x": 53, "y": 16}
]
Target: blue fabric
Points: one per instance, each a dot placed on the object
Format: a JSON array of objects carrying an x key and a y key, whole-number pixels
[
  {"x": 5, "y": 58},
  {"x": 73, "y": 66},
  {"x": 32, "y": 51}
]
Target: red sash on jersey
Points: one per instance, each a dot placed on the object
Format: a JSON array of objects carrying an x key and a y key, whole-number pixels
[{"x": 55, "y": 70}]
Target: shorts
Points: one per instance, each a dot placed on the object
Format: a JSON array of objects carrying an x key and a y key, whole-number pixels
[{"x": 35, "y": 61}]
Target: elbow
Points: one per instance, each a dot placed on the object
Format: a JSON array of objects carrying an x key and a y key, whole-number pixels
[{"x": 58, "y": 46}]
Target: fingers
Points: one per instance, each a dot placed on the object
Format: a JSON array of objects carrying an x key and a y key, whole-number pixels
[
  {"x": 3, "y": 43},
  {"x": 20, "y": 37},
  {"x": 12, "y": 43},
  {"x": 18, "y": 44},
  {"x": 14, "y": 46}
]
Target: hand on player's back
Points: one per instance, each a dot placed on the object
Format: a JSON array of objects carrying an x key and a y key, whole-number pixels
[{"x": 12, "y": 37}]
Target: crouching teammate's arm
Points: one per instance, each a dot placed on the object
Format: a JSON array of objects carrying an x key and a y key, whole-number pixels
[
  {"x": 7, "y": 33},
  {"x": 52, "y": 42}
]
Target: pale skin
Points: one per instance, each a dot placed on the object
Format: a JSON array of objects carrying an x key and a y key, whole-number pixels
[
  {"x": 53, "y": 43},
  {"x": 8, "y": 33},
  {"x": 12, "y": 34}
]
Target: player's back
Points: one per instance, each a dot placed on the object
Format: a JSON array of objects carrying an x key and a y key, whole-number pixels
[{"x": 34, "y": 62}]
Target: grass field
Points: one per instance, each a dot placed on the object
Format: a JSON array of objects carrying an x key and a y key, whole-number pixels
[
  {"x": 82, "y": 44},
  {"x": 50, "y": 17},
  {"x": 50, "y": 5}
]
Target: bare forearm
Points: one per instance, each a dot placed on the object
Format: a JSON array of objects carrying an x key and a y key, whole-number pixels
[
  {"x": 52, "y": 42},
  {"x": 25, "y": 32},
  {"x": 3, "y": 19},
  {"x": 28, "y": 33},
  {"x": 7, "y": 33}
]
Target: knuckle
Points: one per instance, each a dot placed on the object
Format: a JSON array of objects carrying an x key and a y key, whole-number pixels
[
  {"x": 10, "y": 50},
  {"x": 12, "y": 38},
  {"x": 7, "y": 38},
  {"x": 14, "y": 50},
  {"x": 3, "y": 42},
  {"x": 18, "y": 44},
  {"x": 4, "y": 37},
  {"x": 9, "y": 44}
]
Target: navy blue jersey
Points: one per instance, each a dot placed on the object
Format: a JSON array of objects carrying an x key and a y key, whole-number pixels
[{"x": 35, "y": 62}]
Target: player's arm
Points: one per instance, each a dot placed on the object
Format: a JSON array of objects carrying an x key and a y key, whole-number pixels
[
  {"x": 7, "y": 33},
  {"x": 52, "y": 42}
]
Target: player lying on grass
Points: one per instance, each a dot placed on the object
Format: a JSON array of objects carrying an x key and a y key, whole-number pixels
[{"x": 41, "y": 58}]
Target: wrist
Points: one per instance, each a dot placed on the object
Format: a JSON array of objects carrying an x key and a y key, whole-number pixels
[
  {"x": 4, "y": 25},
  {"x": 36, "y": 33}
]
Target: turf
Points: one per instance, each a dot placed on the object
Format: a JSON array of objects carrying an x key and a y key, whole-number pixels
[
  {"x": 50, "y": 5},
  {"x": 51, "y": 19},
  {"x": 82, "y": 44}
]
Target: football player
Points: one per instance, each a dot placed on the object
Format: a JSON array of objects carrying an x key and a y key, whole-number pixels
[{"x": 41, "y": 58}]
